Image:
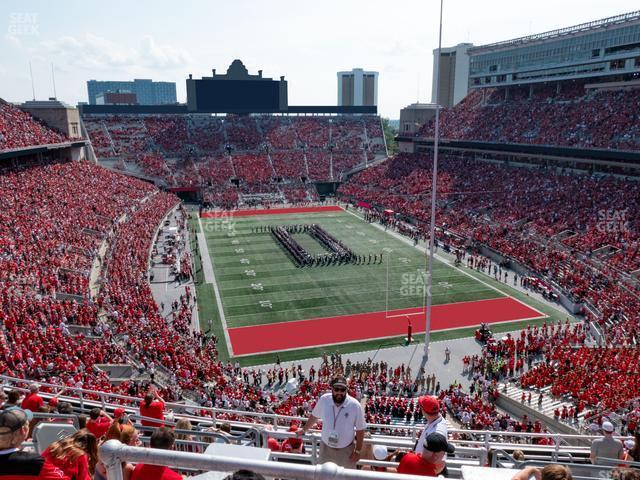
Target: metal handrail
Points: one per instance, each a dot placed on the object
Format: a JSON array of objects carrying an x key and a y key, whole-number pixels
[
  {"x": 275, "y": 419},
  {"x": 113, "y": 453}
]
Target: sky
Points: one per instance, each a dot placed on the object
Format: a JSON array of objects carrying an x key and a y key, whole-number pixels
[{"x": 307, "y": 42}]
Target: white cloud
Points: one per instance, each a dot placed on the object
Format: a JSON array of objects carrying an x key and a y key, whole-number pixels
[
  {"x": 161, "y": 56},
  {"x": 92, "y": 52},
  {"x": 13, "y": 40}
]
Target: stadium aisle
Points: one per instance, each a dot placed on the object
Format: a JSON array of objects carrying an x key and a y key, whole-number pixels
[{"x": 163, "y": 285}]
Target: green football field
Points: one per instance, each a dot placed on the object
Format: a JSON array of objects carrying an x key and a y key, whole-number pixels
[{"x": 259, "y": 284}]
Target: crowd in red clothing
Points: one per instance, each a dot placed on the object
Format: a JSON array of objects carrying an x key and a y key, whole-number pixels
[
  {"x": 603, "y": 377},
  {"x": 18, "y": 129},
  {"x": 553, "y": 222},
  {"x": 507, "y": 357},
  {"x": 54, "y": 220},
  {"x": 568, "y": 116},
  {"x": 260, "y": 154}
]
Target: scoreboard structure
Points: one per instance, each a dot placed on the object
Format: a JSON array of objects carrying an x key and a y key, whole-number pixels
[{"x": 236, "y": 92}]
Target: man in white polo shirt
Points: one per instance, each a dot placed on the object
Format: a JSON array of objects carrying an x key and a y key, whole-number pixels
[
  {"x": 436, "y": 423},
  {"x": 342, "y": 419}
]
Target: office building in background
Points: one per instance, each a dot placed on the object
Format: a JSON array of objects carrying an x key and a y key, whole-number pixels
[
  {"x": 147, "y": 91},
  {"x": 358, "y": 88},
  {"x": 454, "y": 74}
]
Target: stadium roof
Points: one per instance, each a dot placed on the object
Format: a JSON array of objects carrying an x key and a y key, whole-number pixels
[{"x": 583, "y": 27}]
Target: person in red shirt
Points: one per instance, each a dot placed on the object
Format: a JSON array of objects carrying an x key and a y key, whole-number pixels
[
  {"x": 431, "y": 461},
  {"x": 292, "y": 444},
  {"x": 162, "y": 438},
  {"x": 75, "y": 455},
  {"x": 14, "y": 463},
  {"x": 32, "y": 401},
  {"x": 99, "y": 422},
  {"x": 153, "y": 407}
]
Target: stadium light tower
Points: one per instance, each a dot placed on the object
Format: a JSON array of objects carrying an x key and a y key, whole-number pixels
[{"x": 432, "y": 235}]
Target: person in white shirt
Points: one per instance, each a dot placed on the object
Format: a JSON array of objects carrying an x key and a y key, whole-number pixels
[
  {"x": 342, "y": 420},
  {"x": 436, "y": 423}
]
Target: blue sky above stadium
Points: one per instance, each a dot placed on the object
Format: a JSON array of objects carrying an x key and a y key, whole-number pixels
[{"x": 307, "y": 42}]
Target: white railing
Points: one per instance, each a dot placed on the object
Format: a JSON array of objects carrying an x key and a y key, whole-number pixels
[
  {"x": 485, "y": 438},
  {"x": 113, "y": 453}
]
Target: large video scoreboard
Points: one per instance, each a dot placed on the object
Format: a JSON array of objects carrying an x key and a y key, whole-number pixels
[{"x": 236, "y": 92}]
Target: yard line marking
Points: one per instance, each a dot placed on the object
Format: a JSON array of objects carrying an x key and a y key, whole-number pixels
[
  {"x": 446, "y": 262},
  {"x": 206, "y": 257}
]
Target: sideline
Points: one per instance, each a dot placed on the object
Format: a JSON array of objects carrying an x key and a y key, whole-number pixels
[{"x": 210, "y": 278}]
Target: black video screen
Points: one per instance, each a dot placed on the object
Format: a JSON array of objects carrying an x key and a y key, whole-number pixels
[{"x": 238, "y": 94}]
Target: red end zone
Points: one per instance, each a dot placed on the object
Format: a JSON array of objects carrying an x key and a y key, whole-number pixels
[
  {"x": 374, "y": 325},
  {"x": 270, "y": 211}
]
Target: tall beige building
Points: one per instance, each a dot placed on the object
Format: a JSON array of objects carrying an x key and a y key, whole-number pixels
[
  {"x": 454, "y": 74},
  {"x": 358, "y": 88}
]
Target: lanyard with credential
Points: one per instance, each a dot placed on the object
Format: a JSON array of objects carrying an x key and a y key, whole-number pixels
[{"x": 336, "y": 415}]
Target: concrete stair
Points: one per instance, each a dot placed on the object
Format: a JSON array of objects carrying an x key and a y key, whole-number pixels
[{"x": 549, "y": 403}]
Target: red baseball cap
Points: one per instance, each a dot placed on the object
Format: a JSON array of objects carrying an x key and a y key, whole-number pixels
[
  {"x": 118, "y": 412},
  {"x": 53, "y": 401},
  {"x": 429, "y": 404},
  {"x": 273, "y": 444}
]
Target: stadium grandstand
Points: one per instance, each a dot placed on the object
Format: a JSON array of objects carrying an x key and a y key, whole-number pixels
[{"x": 187, "y": 289}]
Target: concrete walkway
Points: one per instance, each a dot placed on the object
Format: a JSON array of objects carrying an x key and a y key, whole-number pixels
[{"x": 164, "y": 286}]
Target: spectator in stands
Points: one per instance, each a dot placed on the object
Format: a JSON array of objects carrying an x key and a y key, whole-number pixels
[
  {"x": 628, "y": 447},
  {"x": 607, "y": 446},
  {"x": 518, "y": 455},
  {"x": 430, "y": 461},
  {"x": 550, "y": 472},
  {"x": 16, "y": 464},
  {"x": 381, "y": 454},
  {"x": 342, "y": 417},
  {"x": 152, "y": 407},
  {"x": 430, "y": 406},
  {"x": 185, "y": 424},
  {"x": 75, "y": 455},
  {"x": 273, "y": 445},
  {"x": 164, "y": 439},
  {"x": 225, "y": 431},
  {"x": 634, "y": 452},
  {"x": 292, "y": 444},
  {"x": 32, "y": 401},
  {"x": 244, "y": 475},
  {"x": 82, "y": 421},
  {"x": 99, "y": 422},
  {"x": 622, "y": 473},
  {"x": 126, "y": 433},
  {"x": 13, "y": 398}
]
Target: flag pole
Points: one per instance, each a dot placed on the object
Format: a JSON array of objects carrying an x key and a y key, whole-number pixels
[{"x": 432, "y": 238}]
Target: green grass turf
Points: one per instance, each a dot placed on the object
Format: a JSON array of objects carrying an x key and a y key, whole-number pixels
[{"x": 301, "y": 293}]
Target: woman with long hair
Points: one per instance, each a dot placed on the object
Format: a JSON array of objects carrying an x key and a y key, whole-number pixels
[
  {"x": 185, "y": 424},
  {"x": 125, "y": 433},
  {"x": 75, "y": 455}
]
